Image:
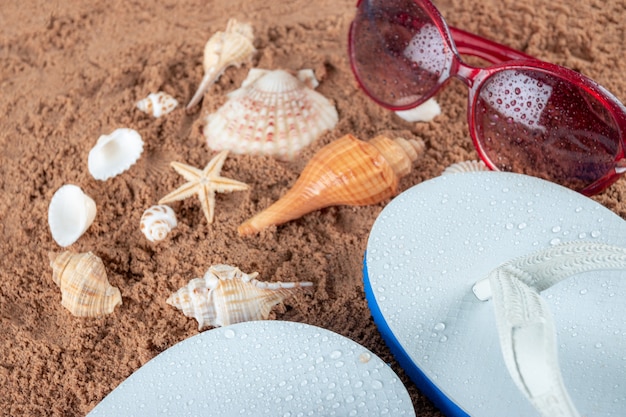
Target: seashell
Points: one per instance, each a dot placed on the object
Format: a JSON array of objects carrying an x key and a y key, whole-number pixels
[
  {"x": 157, "y": 104},
  {"x": 85, "y": 289},
  {"x": 70, "y": 214},
  {"x": 465, "y": 166},
  {"x": 425, "y": 112},
  {"x": 157, "y": 222},
  {"x": 224, "y": 49},
  {"x": 225, "y": 295},
  {"x": 347, "y": 171},
  {"x": 273, "y": 113},
  {"x": 114, "y": 153}
]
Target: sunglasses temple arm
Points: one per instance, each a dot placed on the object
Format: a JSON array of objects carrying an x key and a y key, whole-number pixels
[{"x": 474, "y": 45}]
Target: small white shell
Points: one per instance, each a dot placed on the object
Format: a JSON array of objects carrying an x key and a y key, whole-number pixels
[
  {"x": 273, "y": 113},
  {"x": 425, "y": 112},
  {"x": 157, "y": 104},
  {"x": 114, "y": 153},
  {"x": 70, "y": 214},
  {"x": 465, "y": 166},
  {"x": 157, "y": 222}
]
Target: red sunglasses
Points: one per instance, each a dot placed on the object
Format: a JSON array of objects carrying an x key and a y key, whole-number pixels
[{"x": 524, "y": 115}]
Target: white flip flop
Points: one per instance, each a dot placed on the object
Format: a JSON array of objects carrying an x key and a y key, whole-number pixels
[
  {"x": 261, "y": 368},
  {"x": 552, "y": 341}
]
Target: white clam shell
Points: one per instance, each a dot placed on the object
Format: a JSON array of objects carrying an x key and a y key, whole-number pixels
[
  {"x": 114, "y": 153},
  {"x": 157, "y": 104},
  {"x": 465, "y": 166},
  {"x": 273, "y": 113},
  {"x": 425, "y": 112},
  {"x": 157, "y": 221},
  {"x": 70, "y": 214}
]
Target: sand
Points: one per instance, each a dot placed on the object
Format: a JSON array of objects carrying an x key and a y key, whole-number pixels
[{"x": 72, "y": 71}]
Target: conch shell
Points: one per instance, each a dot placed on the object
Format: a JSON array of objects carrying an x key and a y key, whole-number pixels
[
  {"x": 231, "y": 47},
  {"x": 225, "y": 295},
  {"x": 347, "y": 171},
  {"x": 85, "y": 289}
]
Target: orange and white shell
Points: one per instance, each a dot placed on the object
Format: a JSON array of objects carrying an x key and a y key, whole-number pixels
[
  {"x": 157, "y": 221},
  {"x": 232, "y": 47},
  {"x": 157, "y": 104},
  {"x": 273, "y": 113},
  {"x": 225, "y": 295},
  {"x": 347, "y": 171},
  {"x": 85, "y": 289}
]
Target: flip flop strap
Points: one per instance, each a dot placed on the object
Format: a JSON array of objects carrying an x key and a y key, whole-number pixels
[{"x": 525, "y": 325}]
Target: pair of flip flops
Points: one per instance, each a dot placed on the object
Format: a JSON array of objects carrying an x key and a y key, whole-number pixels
[{"x": 499, "y": 294}]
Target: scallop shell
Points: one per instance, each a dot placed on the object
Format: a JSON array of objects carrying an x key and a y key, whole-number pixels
[
  {"x": 157, "y": 221},
  {"x": 157, "y": 104},
  {"x": 224, "y": 49},
  {"x": 465, "y": 166},
  {"x": 70, "y": 214},
  {"x": 115, "y": 153},
  {"x": 225, "y": 295},
  {"x": 273, "y": 113},
  {"x": 85, "y": 289},
  {"x": 425, "y": 112}
]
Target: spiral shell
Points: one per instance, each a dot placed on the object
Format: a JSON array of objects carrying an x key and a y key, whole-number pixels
[
  {"x": 225, "y": 295},
  {"x": 157, "y": 104},
  {"x": 85, "y": 289},
  {"x": 347, "y": 171},
  {"x": 157, "y": 221},
  {"x": 231, "y": 47},
  {"x": 273, "y": 113}
]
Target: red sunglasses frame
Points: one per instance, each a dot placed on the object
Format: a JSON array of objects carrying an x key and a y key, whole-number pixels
[{"x": 503, "y": 58}]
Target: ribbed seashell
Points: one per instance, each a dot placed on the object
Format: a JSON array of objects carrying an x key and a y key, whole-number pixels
[
  {"x": 273, "y": 113},
  {"x": 347, "y": 171},
  {"x": 232, "y": 47},
  {"x": 85, "y": 289},
  {"x": 157, "y": 221},
  {"x": 225, "y": 295},
  {"x": 465, "y": 166},
  {"x": 70, "y": 214},
  {"x": 114, "y": 153},
  {"x": 157, "y": 104}
]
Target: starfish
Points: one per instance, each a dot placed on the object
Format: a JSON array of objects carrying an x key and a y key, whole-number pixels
[{"x": 205, "y": 183}]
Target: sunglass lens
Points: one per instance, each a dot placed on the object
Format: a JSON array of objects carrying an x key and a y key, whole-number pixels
[
  {"x": 537, "y": 123},
  {"x": 397, "y": 52}
]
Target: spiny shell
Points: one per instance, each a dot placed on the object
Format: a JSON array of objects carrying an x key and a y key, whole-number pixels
[
  {"x": 157, "y": 104},
  {"x": 225, "y": 295},
  {"x": 465, "y": 166},
  {"x": 157, "y": 221},
  {"x": 231, "y": 47},
  {"x": 115, "y": 153},
  {"x": 70, "y": 214},
  {"x": 85, "y": 289},
  {"x": 347, "y": 171},
  {"x": 273, "y": 113}
]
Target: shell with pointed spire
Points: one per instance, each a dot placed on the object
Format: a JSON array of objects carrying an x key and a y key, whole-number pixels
[
  {"x": 226, "y": 295},
  {"x": 347, "y": 171},
  {"x": 273, "y": 113},
  {"x": 85, "y": 289},
  {"x": 232, "y": 47}
]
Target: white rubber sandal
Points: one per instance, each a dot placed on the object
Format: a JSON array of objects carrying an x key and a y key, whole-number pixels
[
  {"x": 261, "y": 368},
  {"x": 503, "y": 295}
]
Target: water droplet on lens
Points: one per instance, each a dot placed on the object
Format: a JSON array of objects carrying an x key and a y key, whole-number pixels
[
  {"x": 229, "y": 333},
  {"x": 439, "y": 327}
]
